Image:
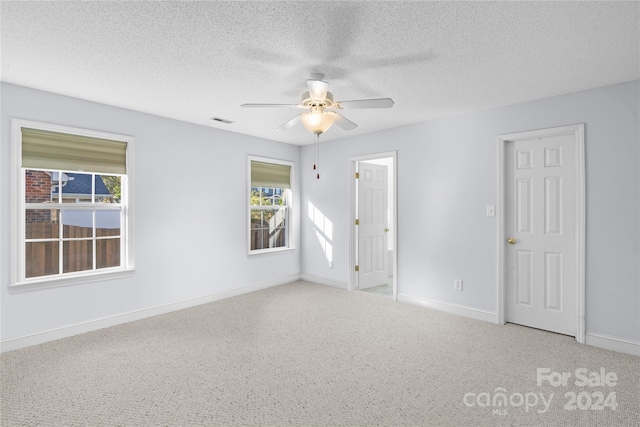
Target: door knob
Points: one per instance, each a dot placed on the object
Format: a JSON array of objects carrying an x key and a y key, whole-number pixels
[
  {"x": 511, "y": 240},
  {"x": 386, "y": 230}
]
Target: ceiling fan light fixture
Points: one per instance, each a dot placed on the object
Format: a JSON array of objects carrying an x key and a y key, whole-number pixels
[
  {"x": 317, "y": 121},
  {"x": 320, "y": 108}
]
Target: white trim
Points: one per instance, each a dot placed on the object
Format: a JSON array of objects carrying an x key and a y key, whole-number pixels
[
  {"x": 324, "y": 281},
  {"x": 352, "y": 280},
  {"x": 71, "y": 279},
  {"x": 613, "y": 343},
  {"x": 105, "y": 322},
  {"x": 290, "y": 228},
  {"x": 353, "y": 277},
  {"x": 270, "y": 251},
  {"x": 17, "y": 262},
  {"x": 459, "y": 310},
  {"x": 578, "y": 132},
  {"x": 16, "y": 183}
]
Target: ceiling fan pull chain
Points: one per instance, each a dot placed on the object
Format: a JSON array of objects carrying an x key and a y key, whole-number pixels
[
  {"x": 314, "y": 151},
  {"x": 317, "y": 150}
]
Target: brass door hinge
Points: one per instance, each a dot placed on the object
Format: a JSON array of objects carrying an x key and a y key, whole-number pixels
[
  {"x": 357, "y": 222},
  {"x": 357, "y": 175},
  {"x": 357, "y": 268}
]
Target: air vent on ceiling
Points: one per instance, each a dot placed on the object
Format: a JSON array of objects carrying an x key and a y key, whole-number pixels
[{"x": 218, "y": 119}]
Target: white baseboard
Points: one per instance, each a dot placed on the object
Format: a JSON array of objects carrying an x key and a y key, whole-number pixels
[
  {"x": 105, "y": 322},
  {"x": 324, "y": 281},
  {"x": 607, "y": 342},
  {"x": 474, "y": 313}
]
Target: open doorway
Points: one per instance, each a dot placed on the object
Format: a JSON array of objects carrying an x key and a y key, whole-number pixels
[{"x": 374, "y": 224}]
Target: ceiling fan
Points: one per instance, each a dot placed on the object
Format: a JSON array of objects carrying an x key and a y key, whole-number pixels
[{"x": 321, "y": 109}]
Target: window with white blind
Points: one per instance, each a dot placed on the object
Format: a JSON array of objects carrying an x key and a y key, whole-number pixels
[
  {"x": 72, "y": 204},
  {"x": 269, "y": 204}
]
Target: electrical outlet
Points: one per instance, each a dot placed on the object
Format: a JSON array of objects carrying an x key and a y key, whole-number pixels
[{"x": 457, "y": 284}]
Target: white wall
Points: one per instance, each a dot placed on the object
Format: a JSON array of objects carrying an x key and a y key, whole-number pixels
[
  {"x": 447, "y": 174},
  {"x": 191, "y": 227}
]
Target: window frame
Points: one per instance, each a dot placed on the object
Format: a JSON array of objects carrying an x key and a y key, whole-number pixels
[
  {"x": 18, "y": 280},
  {"x": 288, "y": 206}
]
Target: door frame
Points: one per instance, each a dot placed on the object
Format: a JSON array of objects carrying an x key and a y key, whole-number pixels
[
  {"x": 353, "y": 277},
  {"x": 578, "y": 132}
]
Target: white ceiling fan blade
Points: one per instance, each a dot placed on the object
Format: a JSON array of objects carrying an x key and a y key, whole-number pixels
[
  {"x": 269, "y": 105},
  {"x": 291, "y": 123},
  {"x": 364, "y": 103},
  {"x": 342, "y": 121},
  {"x": 317, "y": 89}
]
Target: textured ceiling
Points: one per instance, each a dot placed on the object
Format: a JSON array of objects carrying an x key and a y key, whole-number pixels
[{"x": 195, "y": 60}]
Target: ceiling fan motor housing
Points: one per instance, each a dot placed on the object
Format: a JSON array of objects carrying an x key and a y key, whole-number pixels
[{"x": 309, "y": 102}]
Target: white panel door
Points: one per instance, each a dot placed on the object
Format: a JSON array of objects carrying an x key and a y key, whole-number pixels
[
  {"x": 541, "y": 269},
  {"x": 372, "y": 228}
]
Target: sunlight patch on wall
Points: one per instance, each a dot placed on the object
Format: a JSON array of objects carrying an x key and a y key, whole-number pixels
[{"x": 323, "y": 228}]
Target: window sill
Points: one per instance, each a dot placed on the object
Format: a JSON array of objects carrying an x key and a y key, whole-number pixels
[
  {"x": 59, "y": 281},
  {"x": 271, "y": 251}
]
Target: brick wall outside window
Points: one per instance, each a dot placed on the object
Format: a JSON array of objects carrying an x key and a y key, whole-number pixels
[{"x": 38, "y": 190}]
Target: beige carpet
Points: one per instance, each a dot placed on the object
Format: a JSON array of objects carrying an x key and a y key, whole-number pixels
[{"x": 305, "y": 354}]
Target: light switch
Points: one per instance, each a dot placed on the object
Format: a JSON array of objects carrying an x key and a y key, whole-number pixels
[{"x": 491, "y": 210}]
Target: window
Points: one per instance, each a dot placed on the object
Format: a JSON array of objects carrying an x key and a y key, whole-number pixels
[
  {"x": 72, "y": 204},
  {"x": 269, "y": 201}
]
